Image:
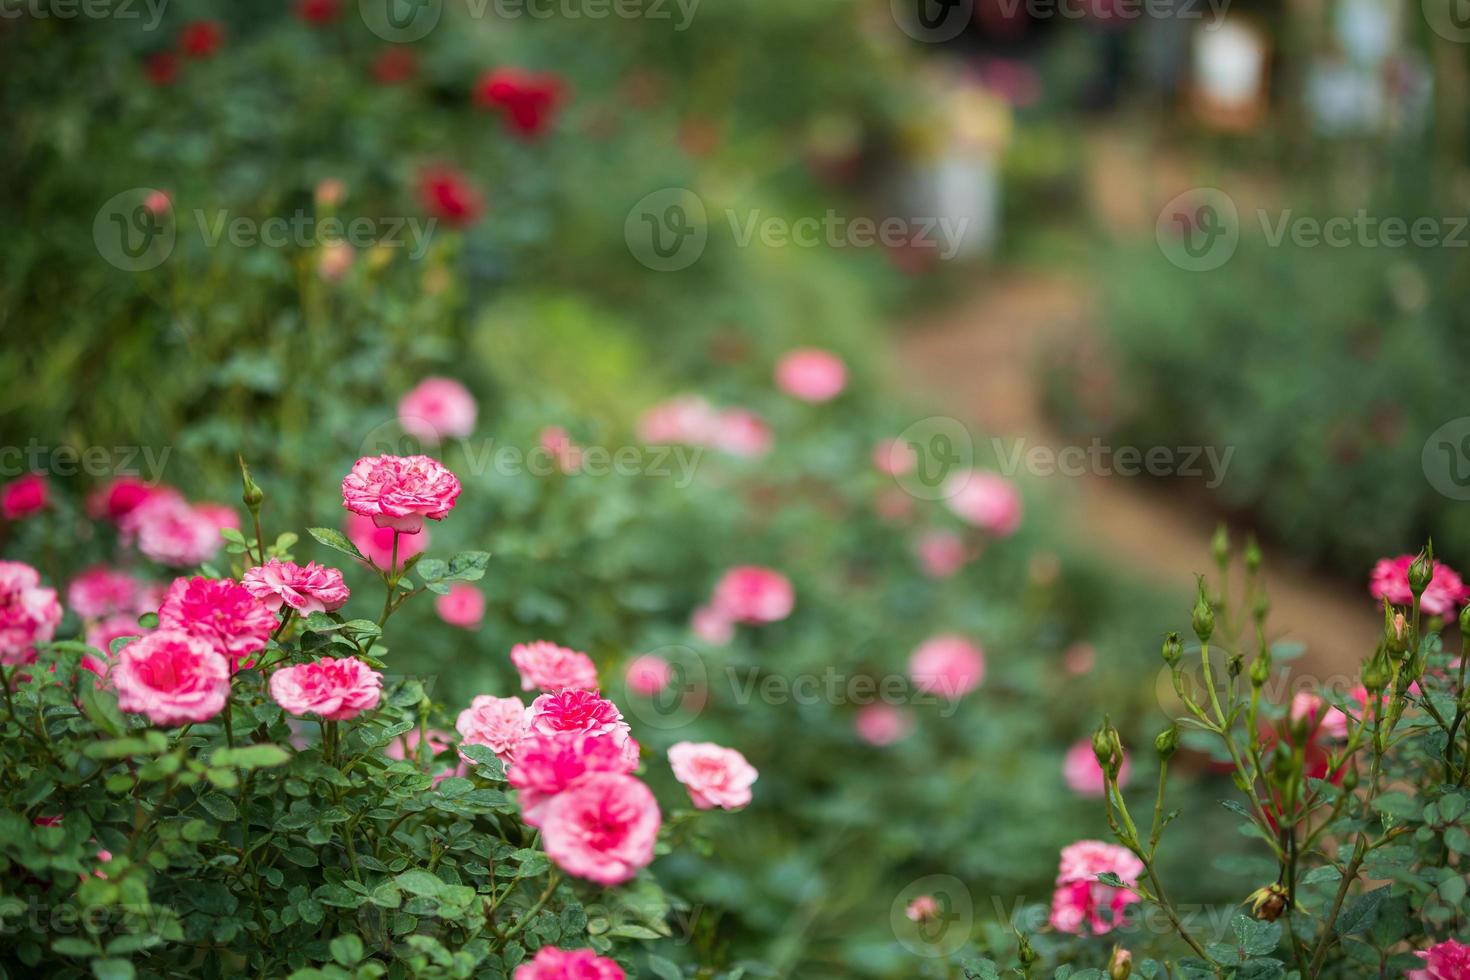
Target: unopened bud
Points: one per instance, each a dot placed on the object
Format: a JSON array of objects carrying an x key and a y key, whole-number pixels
[
  {"x": 1102, "y": 746},
  {"x": 1167, "y": 742},
  {"x": 1174, "y": 650},
  {"x": 1350, "y": 778},
  {"x": 1203, "y": 618},
  {"x": 1120, "y": 964},
  {"x": 252, "y": 495},
  {"x": 1252, "y": 553},
  {"x": 1465, "y": 621},
  {"x": 1024, "y": 952},
  {"x": 1268, "y": 903},
  {"x": 1220, "y": 545},
  {"x": 1421, "y": 570},
  {"x": 1395, "y": 630},
  {"x": 1234, "y": 664},
  {"x": 1376, "y": 672},
  {"x": 1260, "y": 669}
]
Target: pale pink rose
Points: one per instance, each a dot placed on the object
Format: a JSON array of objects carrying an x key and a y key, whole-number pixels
[
  {"x": 400, "y": 491},
  {"x": 947, "y": 665},
  {"x": 171, "y": 677},
  {"x": 29, "y": 613},
  {"x": 648, "y": 674},
  {"x": 309, "y": 588},
  {"x": 894, "y": 457},
  {"x": 551, "y": 963},
  {"x": 882, "y": 724},
  {"x": 602, "y": 829},
  {"x": 715, "y": 776},
  {"x": 335, "y": 260},
  {"x": 169, "y": 531},
  {"x": 497, "y": 723},
  {"x": 221, "y": 612},
  {"x": 751, "y": 594},
  {"x": 101, "y": 633},
  {"x": 120, "y": 496},
  {"x": 741, "y": 432},
  {"x": 987, "y": 500},
  {"x": 24, "y": 496},
  {"x": 687, "y": 419},
  {"x": 463, "y": 606},
  {"x": 376, "y": 543},
  {"x": 406, "y": 746},
  {"x": 1083, "y": 773},
  {"x": 545, "y": 765},
  {"x": 557, "y": 444},
  {"x": 576, "y": 711},
  {"x": 1081, "y": 904},
  {"x": 1079, "y": 659},
  {"x": 335, "y": 688},
  {"x": 942, "y": 553},
  {"x": 550, "y": 667},
  {"x": 1445, "y": 594},
  {"x": 101, "y": 591},
  {"x": 438, "y": 409},
  {"x": 922, "y": 909},
  {"x": 1449, "y": 960},
  {"x": 712, "y": 626},
  {"x": 811, "y": 374}
]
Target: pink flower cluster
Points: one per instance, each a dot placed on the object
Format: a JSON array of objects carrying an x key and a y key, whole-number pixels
[
  {"x": 220, "y": 611},
  {"x": 400, "y": 492},
  {"x": 548, "y": 667},
  {"x": 692, "y": 421},
  {"x": 715, "y": 776},
  {"x": 1445, "y": 594},
  {"x": 309, "y": 588},
  {"x": 551, "y": 963},
  {"x": 744, "y": 594},
  {"x": 438, "y": 409},
  {"x": 947, "y": 665},
  {"x": 332, "y": 688},
  {"x": 29, "y": 613},
  {"x": 1081, "y": 904}
]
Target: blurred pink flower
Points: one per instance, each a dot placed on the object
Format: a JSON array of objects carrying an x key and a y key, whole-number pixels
[
  {"x": 687, "y": 419},
  {"x": 438, "y": 409},
  {"x": 922, "y": 908},
  {"x": 741, "y": 432},
  {"x": 120, "y": 496},
  {"x": 29, "y": 613},
  {"x": 463, "y": 606},
  {"x": 400, "y": 492},
  {"x": 553, "y": 668},
  {"x": 947, "y": 665},
  {"x": 1080, "y": 903},
  {"x": 987, "y": 500},
  {"x": 376, "y": 542},
  {"x": 551, "y": 963},
  {"x": 714, "y": 775},
  {"x": 558, "y": 444},
  {"x": 1084, "y": 775},
  {"x": 24, "y": 496},
  {"x": 894, "y": 457},
  {"x": 811, "y": 374},
  {"x": 1078, "y": 659},
  {"x": 712, "y": 626},
  {"x": 1446, "y": 592},
  {"x": 334, "y": 688},
  {"x": 942, "y": 553},
  {"x": 648, "y": 674},
  {"x": 101, "y": 634},
  {"x": 755, "y": 595},
  {"x": 171, "y": 532},
  {"x": 101, "y": 591},
  {"x": 882, "y": 724},
  {"x": 603, "y": 828},
  {"x": 497, "y": 723},
  {"x": 171, "y": 677}
]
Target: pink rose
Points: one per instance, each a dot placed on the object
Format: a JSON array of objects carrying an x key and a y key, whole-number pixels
[
  {"x": 221, "y": 612},
  {"x": 406, "y": 747},
  {"x": 1317, "y": 713},
  {"x": 462, "y": 606},
  {"x": 552, "y": 668},
  {"x": 576, "y": 711},
  {"x": 498, "y": 723},
  {"x": 376, "y": 543},
  {"x": 987, "y": 500},
  {"x": 1449, "y": 960},
  {"x": 29, "y": 614},
  {"x": 687, "y": 419},
  {"x": 119, "y": 497},
  {"x": 648, "y": 674},
  {"x": 1082, "y": 772},
  {"x": 948, "y": 665},
  {"x": 715, "y": 776},
  {"x": 334, "y": 688},
  {"x": 400, "y": 491},
  {"x": 750, "y": 594},
  {"x": 309, "y": 588},
  {"x": 741, "y": 432},
  {"x": 1446, "y": 592},
  {"x": 602, "y": 829},
  {"x": 1082, "y": 904},
  {"x": 894, "y": 457},
  {"x": 438, "y": 408},
  {"x": 101, "y": 634},
  {"x": 810, "y": 374},
  {"x": 101, "y": 591},
  {"x": 712, "y": 626},
  {"x": 568, "y": 964},
  {"x": 557, "y": 444},
  {"x": 882, "y": 724},
  {"x": 942, "y": 553},
  {"x": 171, "y": 532},
  {"x": 922, "y": 909},
  {"x": 24, "y": 496},
  {"x": 545, "y": 765},
  {"x": 171, "y": 677}
]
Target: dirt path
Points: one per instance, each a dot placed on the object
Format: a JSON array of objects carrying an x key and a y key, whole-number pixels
[{"x": 979, "y": 360}]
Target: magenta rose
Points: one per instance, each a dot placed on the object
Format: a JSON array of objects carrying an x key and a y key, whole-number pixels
[
  {"x": 715, "y": 776},
  {"x": 602, "y": 828},
  {"x": 24, "y": 496},
  {"x": 171, "y": 677},
  {"x": 575, "y": 710},
  {"x": 751, "y": 594},
  {"x": 553, "y": 668},
  {"x": 1449, "y": 960},
  {"x": 551, "y": 963},
  {"x": 220, "y": 611},
  {"x": 546, "y": 765},
  {"x": 498, "y": 723},
  {"x": 400, "y": 492},
  {"x": 1081, "y": 904},
  {"x": 29, "y": 613},
  {"x": 308, "y": 588},
  {"x": 334, "y": 688},
  {"x": 438, "y": 409}
]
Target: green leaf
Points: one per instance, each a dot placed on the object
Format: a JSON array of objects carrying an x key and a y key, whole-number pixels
[
  {"x": 112, "y": 969},
  {"x": 1396, "y": 805},
  {"x": 251, "y": 757},
  {"x": 1457, "y": 840},
  {"x": 1254, "y": 936},
  {"x": 346, "y": 950},
  {"x": 1361, "y": 912},
  {"x": 1451, "y": 805},
  {"x": 335, "y": 540},
  {"x": 467, "y": 566},
  {"x": 220, "y": 806},
  {"x": 416, "y": 881},
  {"x": 74, "y": 946},
  {"x": 663, "y": 969}
]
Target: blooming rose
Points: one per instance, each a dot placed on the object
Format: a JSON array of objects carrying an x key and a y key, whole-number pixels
[
  {"x": 1081, "y": 903},
  {"x": 568, "y": 964},
  {"x": 603, "y": 828},
  {"x": 101, "y": 591},
  {"x": 24, "y": 496},
  {"x": 1317, "y": 713},
  {"x": 171, "y": 677},
  {"x": 308, "y": 588},
  {"x": 201, "y": 38},
  {"x": 449, "y": 196},
  {"x": 552, "y": 668},
  {"x": 715, "y": 776},
  {"x": 948, "y": 665},
  {"x": 29, "y": 614},
  {"x": 894, "y": 457},
  {"x": 221, "y": 612},
  {"x": 712, "y": 626},
  {"x": 987, "y": 500},
  {"x": 942, "y": 553},
  {"x": 462, "y": 606},
  {"x": 882, "y": 724},
  {"x": 119, "y": 497},
  {"x": 171, "y": 532},
  {"x": 400, "y": 491},
  {"x": 376, "y": 543},
  {"x": 436, "y": 409},
  {"x": 525, "y": 99},
  {"x": 648, "y": 674},
  {"x": 576, "y": 711},
  {"x": 750, "y": 594},
  {"x": 545, "y": 765},
  {"x": 1446, "y": 592},
  {"x": 334, "y": 688},
  {"x": 810, "y": 374},
  {"x": 1449, "y": 960},
  {"x": 499, "y": 723},
  {"x": 1082, "y": 772}
]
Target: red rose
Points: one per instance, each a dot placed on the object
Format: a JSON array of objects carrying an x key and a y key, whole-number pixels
[
  {"x": 527, "y": 100},
  {"x": 393, "y": 65},
  {"x": 318, "y": 11},
  {"x": 449, "y": 196},
  {"x": 161, "y": 67},
  {"x": 201, "y": 38}
]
